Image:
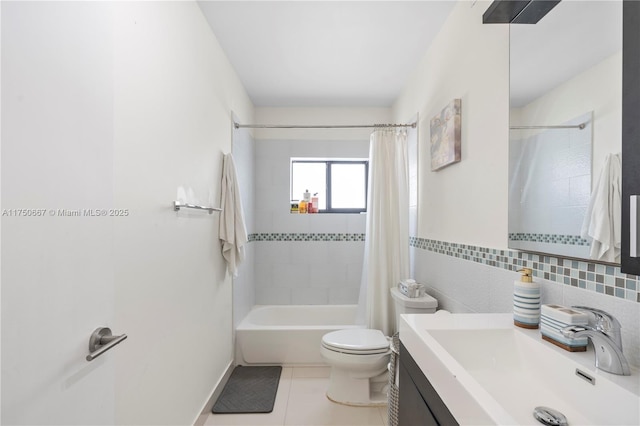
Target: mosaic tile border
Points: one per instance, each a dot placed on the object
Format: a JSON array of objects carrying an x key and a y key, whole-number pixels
[
  {"x": 574, "y": 240},
  {"x": 604, "y": 279},
  {"x": 301, "y": 236}
]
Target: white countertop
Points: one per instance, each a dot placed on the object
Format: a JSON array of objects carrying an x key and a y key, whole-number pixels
[{"x": 486, "y": 370}]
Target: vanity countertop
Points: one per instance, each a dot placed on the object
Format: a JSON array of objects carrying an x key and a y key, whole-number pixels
[{"x": 487, "y": 371}]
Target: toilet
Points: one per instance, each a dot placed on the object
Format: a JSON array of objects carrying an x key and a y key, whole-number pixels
[{"x": 359, "y": 356}]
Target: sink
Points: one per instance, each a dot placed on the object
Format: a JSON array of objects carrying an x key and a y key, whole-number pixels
[{"x": 502, "y": 373}]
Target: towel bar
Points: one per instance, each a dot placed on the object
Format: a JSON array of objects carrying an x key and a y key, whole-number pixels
[{"x": 177, "y": 205}]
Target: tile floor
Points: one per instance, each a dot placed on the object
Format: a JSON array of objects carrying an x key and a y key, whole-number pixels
[{"x": 301, "y": 400}]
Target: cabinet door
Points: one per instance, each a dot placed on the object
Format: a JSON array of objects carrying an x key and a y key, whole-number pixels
[
  {"x": 630, "y": 126},
  {"x": 419, "y": 404},
  {"x": 413, "y": 409}
]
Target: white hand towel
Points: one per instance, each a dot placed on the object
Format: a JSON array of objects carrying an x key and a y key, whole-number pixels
[
  {"x": 233, "y": 232},
  {"x": 604, "y": 214}
]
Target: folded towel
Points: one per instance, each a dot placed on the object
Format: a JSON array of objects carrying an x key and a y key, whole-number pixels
[
  {"x": 233, "y": 232},
  {"x": 602, "y": 221}
]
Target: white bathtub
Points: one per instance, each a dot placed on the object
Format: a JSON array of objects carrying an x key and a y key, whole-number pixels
[{"x": 289, "y": 334}]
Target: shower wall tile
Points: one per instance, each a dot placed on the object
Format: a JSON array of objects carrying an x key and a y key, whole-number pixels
[
  {"x": 273, "y": 296},
  {"x": 310, "y": 264},
  {"x": 344, "y": 295},
  {"x": 310, "y": 296},
  {"x": 328, "y": 276},
  {"x": 284, "y": 221},
  {"x": 263, "y": 275},
  {"x": 273, "y": 159},
  {"x": 309, "y": 253},
  {"x": 326, "y": 223},
  {"x": 269, "y": 200},
  {"x": 267, "y": 150},
  {"x": 263, "y": 220},
  {"x": 357, "y": 223},
  {"x": 354, "y": 273},
  {"x": 346, "y": 252},
  {"x": 306, "y": 259},
  {"x": 272, "y": 252},
  {"x": 244, "y": 288},
  {"x": 291, "y": 275}
]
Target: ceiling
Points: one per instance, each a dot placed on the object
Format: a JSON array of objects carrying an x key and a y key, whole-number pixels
[{"x": 325, "y": 53}]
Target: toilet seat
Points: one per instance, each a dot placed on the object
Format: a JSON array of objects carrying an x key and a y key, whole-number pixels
[{"x": 357, "y": 341}]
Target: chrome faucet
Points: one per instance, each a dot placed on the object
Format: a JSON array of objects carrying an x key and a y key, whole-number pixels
[{"x": 604, "y": 331}]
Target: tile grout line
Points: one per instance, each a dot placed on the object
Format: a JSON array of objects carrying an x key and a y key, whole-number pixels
[
  {"x": 286, "y": 407},
  {"x": 599, "y": 278}
]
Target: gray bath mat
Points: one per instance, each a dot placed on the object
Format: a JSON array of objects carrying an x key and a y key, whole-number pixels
[{"x": 249, "y": 390}]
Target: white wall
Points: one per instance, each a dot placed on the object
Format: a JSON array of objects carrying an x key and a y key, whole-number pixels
[
  {"x": 174, "y": 91},
  {"x": 57, "y": 153},
  {"x": 113, "y": 105},
  {"x": 467, "y": 201},
  {"x": 307, "y": 272}
]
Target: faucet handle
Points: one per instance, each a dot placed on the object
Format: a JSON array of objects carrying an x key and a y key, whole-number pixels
[
  {"x": 603, "y": 321},
  {"x": 602, "y": 318}
]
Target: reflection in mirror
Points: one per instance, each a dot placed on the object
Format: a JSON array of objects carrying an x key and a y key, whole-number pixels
[{"x": 565, "y": 118}]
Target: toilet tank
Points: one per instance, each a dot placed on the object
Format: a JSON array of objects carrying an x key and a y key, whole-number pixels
[{"x": 417, "y": 305}]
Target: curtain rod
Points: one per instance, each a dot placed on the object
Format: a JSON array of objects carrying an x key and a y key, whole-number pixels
[
  {"x": 337, "y": 126},
  {"x": 576, "y": 126}
]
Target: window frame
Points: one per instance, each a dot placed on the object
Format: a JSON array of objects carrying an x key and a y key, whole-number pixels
[{"x": 329, "y": 163}]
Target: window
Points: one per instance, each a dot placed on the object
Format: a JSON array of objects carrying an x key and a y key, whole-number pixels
[{"x": 339, "y": 185}]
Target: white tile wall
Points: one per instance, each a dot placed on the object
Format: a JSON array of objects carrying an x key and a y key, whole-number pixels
[
  {"x": 272, "y": 182},
  {"x": 303, "y": 272},
  {"x": 466, "y": 286},
  {"x": 551, "y": 184},
  {"x": 308, "y": 272},
  {"x": 243, "y": 150}
]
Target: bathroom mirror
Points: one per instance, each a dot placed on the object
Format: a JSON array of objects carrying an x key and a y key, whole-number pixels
[{"x": 565, "y": 118}]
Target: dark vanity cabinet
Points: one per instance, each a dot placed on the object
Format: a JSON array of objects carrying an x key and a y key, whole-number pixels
[
  {"x": 419, "y": 403},
  {"x": 630, "y": 129}
]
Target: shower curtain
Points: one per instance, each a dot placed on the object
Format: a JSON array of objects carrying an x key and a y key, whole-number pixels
[{"x": 386, "y": 257}]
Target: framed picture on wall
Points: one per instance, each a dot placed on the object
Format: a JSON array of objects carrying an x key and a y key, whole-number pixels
[{"x": 445, "y": 136}]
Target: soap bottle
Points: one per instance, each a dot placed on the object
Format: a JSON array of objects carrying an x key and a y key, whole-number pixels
[
  {"x": 314, "y": 201},
  {"x": 304, "y": 204},
  {"x": 526, "y": 300}
]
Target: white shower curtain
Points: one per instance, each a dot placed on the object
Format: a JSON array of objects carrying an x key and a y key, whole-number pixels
[{"x": 386, "y": 257}]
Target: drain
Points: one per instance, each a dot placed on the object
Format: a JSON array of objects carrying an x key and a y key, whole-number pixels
[{"x": 549, "y": 416}]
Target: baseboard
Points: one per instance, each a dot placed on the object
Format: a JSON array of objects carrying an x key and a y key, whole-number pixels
[{"x": 217, "y": 389}]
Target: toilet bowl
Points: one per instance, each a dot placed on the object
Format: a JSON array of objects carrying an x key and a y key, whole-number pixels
[{"x": 359, "y": 357}]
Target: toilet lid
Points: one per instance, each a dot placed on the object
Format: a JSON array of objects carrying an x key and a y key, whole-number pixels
[{"x": 356, "y": 341}]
